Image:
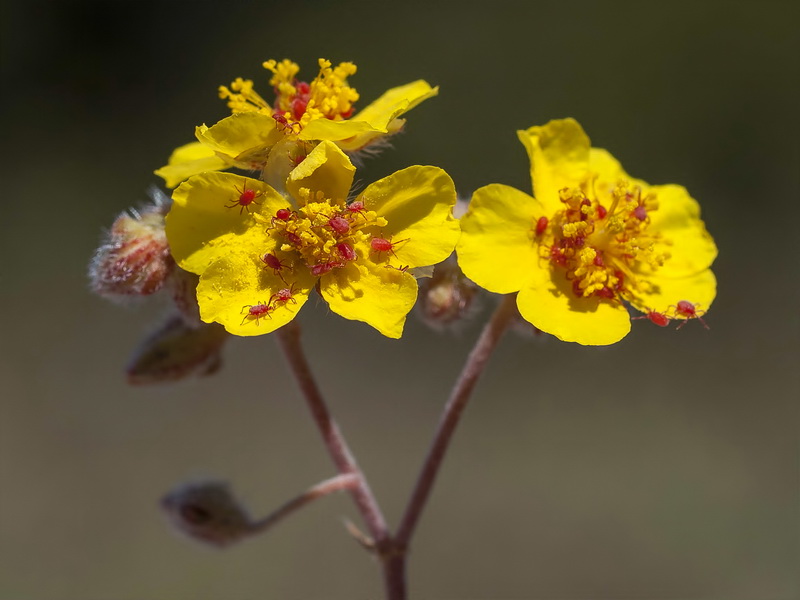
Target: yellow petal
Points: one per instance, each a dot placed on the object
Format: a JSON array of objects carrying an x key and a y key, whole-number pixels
[
  {"x": 379, "y": 296},
  {"x": 326, "y": 169},
  {"x": 325, "y": 129},
  {"x": 375, "y": 119},
  {"x": 244, "y": 137},
  {"x": 549, "y": 304},
  {"x": 699, "y": 289},
  {"x": 691, "y": 247},
  {"x": 497, "y": 249},
  {"x": 382, "y": 113},
  {"x": 238, "y": 280},
  {"x": 394, "y": 102},
  {"x": 205, "y": 221},
  {"x": 559, "y": 155},
  {"x": 417, "y": 203},
  {"x": 190, "y": 159}
]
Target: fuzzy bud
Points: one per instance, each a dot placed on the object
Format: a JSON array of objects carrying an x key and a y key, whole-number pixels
[
  {"x": 207, "y": 512},
  {"x": 134, "y": 258},
  {"x": 448, "y": 298},
  {"x": 176, "y": 351}
]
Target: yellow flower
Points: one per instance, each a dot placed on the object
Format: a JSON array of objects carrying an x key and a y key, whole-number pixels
[
  {"x": 301, "y": 115},
  {"x": 592, "y": 239},
  {"x": 259, "y": 255}
]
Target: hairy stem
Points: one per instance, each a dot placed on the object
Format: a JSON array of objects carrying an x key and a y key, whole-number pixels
[{"x": 473, "y": 368}]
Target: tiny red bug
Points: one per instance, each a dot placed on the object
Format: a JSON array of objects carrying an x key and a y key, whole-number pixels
[
  {"x": 380, "y": 245},
  {"x": 689, "y": 311},
  {"x": 657, "y": 318},
  {"x": 276, "y": 264},
  {"x": 541, "y": 225},
  {"x": 322, "y": 268},
  {"x": 346, "y": 251},
  {"x": 246, "y": 197},
  {"x": 284, "y": 295},
  {"x": 357, "y": 207},
  {"x": 339, "y": 224},
  {"x": 257, "y": 311}
]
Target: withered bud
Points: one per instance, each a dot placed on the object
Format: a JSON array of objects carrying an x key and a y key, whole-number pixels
[
  {"x": 207, "y": 512},
  {"x": 448, "y": 298},
  {"x": 134, "y": 258},
  {"x": 176, "y": 350}
]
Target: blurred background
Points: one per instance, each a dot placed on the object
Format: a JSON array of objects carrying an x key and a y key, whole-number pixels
[{"x": 663, "y": 467}]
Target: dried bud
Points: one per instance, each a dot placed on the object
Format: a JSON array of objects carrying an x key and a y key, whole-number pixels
[
  {"x": 134, "y": 258},
  {"x": 176, "y": 351},
  {"x": 448, "y": 298},
  {"x": 208, "y": 513}
]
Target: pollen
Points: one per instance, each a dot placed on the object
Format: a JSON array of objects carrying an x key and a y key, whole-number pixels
[
  {"x": 324, "y": 235},
  {"x": 242, "y": 97},
  {"x": 596, "y": 248},
  {"x": 327, "y": 96}
]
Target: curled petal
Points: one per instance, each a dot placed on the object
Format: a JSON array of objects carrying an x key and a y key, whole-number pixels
[
  {"x": 245, "y": 138},
  {"x": 190, "y": 159},
  {"x": 326, "y": 169}
]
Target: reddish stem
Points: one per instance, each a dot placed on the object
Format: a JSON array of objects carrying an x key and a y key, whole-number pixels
[
  {"x": 289, "y": 340},
  {"x": 473, "y": 368}
]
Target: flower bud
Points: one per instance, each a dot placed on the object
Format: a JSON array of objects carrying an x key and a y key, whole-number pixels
[
  {"x": 448, "y": 298},
  {"x": 134, "y": 258},
  {"x": 176, "y": 351},
  {"x": 207, "y": 512}
]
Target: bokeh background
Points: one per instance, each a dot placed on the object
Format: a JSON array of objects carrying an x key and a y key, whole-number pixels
[{"x": 663, "y": 467}]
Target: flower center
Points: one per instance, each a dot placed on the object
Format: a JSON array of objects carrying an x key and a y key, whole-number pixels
[
  {"x": 327, "y": 96},
  {"x": 320, "y": 234},
  {"x": 297, "y": 102},
  {"x": 598, "y": 247}
]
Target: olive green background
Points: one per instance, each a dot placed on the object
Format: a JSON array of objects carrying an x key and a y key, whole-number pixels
[{"x": 663, "y": 467}]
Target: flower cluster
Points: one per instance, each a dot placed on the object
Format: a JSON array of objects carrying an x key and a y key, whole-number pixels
[{"x": 591, "y": 243}]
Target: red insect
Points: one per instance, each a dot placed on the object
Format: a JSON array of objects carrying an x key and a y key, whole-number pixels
[
  {"x": 541, "y": 225},
  {"x": 601, "y": 212},
  {"x": 688, "y": 311},
  {"x": 282, "y": 214},
  {"x": 357, "y": 207},
  {"x": 380, "y": 245},
  {"x": 284, "y": 295},
  {"x": 339, "y": 224},
  {"x": 657, "y": 318},
  {"x": 257, "y": 311},
  {"x": 284, "y": 123},
  {"x": 346, "y": 251},
  {"x": 276, "y": 264},
  {"x": 322, "y": 268},
  {"x": 246, "y": 197}
]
